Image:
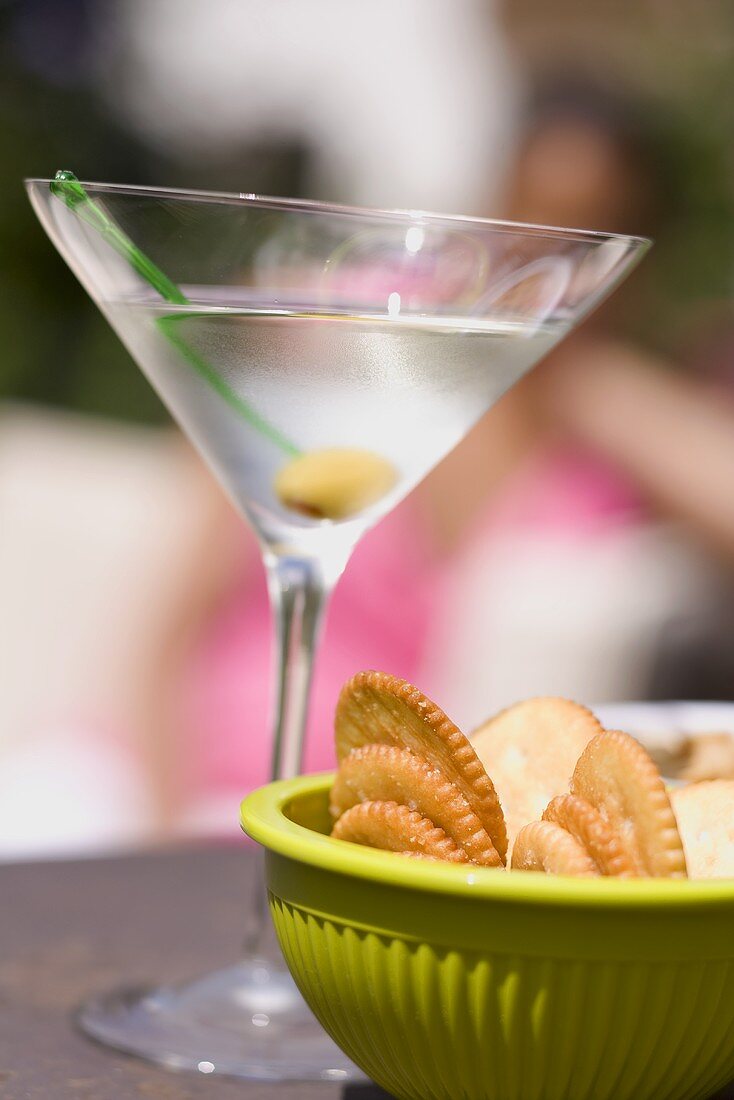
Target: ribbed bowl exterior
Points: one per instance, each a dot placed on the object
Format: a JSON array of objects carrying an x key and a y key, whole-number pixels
[
  {"x": 430, "y": 1024},
  {"x": 502, "y": 989}
]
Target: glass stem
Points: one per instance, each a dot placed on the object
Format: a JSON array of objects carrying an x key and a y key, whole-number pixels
[{"x": 299, "y": 593}]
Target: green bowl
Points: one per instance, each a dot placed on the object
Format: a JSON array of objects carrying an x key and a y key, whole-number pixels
[{"x": 444, "y": 982}]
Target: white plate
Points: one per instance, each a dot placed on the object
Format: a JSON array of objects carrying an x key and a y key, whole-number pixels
[{"x": 665, "y": 725}]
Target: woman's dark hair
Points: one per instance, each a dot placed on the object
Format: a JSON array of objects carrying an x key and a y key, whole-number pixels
[
  {"x": 626, "y": 122},
  {"x": 679, "y": 148}
]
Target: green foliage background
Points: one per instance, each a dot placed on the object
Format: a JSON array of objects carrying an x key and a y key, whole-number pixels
[{"x": 56, "y": 347}]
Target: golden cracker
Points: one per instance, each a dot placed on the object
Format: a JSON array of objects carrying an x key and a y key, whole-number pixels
[
  {"x": 545, "y": 846},
  {"x": 586, "y": 825},
  {"x": 619, "y": 778},
  {"x": 376, "y": 708},
  {"x": 530, "y": 751},
  {"x": 388, "y": 773},
  {"x": 705, "y": 816},
  {"x": 395, "y": 828},
  {"x": 708, "y": 756}
]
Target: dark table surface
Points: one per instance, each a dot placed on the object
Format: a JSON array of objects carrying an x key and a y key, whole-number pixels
[{"x": 70, "y": 929}]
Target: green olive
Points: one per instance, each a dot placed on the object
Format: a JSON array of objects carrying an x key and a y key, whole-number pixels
[{"x": 334, "y": 483}]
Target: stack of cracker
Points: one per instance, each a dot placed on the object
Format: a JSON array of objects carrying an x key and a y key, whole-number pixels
[{"x": 539, "y": 787}]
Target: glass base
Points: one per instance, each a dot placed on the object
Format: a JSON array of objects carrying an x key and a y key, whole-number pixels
[{"x": 248, "y": 1020}]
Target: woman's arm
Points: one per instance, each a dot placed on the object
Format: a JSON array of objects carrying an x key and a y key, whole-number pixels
[{"x": 672, "y": 435}]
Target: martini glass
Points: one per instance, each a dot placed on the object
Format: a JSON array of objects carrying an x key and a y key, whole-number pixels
[{"x": 323, "y": 359}]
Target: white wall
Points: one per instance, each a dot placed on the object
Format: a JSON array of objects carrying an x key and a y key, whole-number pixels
[{"x": 406, "y": 102}]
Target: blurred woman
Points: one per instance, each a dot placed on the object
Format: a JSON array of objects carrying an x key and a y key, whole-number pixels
[
  {"x": 593, "y": 543},
  {"x": 559, "y": 550}
]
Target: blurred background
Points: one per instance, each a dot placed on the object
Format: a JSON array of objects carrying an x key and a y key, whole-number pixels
[{"x": 581, "y": 540}]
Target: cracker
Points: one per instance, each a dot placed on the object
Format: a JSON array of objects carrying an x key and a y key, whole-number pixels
[
  {"x": 586, "y": 825},
  {"x": 545, "y": 846},
  {"x": 705, "y": 816},
  {"x": 388, "y": 773},
  {"x": 530, "y": 751},
  {"x": 708, "y": 756},
  {"x": 376, "y": 708},
  {"x": 395, "y": 828},
  {"x": 619, "y": 778}
]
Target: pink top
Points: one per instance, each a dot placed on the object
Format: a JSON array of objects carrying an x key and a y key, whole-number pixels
[
  {"x": 564, "y": 489},
  {"x": 380, "y": 617}
]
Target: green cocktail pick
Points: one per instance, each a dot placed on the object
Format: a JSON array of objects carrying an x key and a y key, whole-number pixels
[{"x": 66, "y": 186}]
